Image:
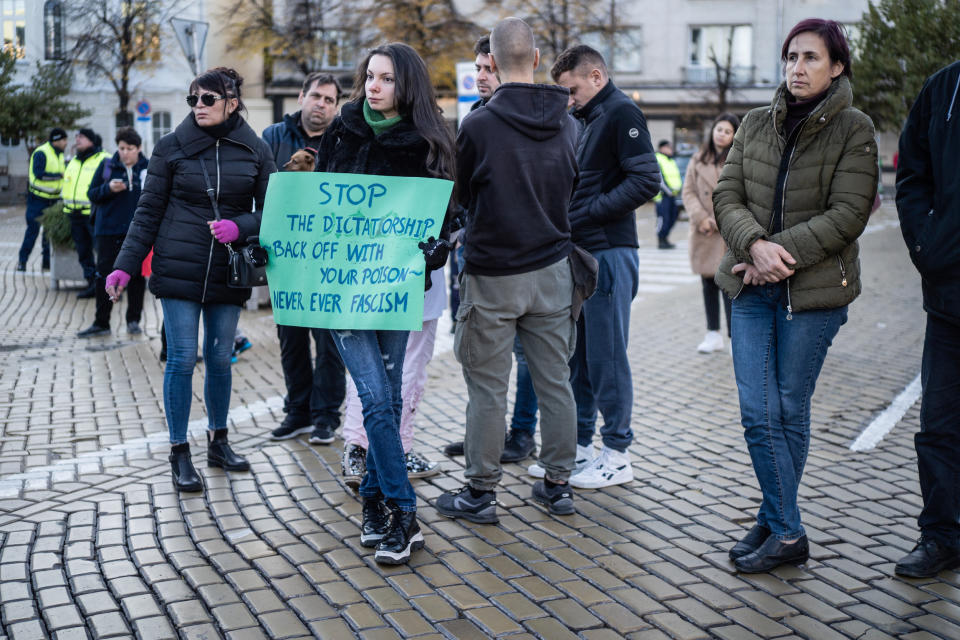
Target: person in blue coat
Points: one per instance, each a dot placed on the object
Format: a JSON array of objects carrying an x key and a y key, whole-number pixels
[{"x": 114, "y": 192}]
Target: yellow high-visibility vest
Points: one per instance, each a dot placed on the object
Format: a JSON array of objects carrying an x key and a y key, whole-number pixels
[
  {"x": 671, "y": 174},
  {"x": 77, "y": 180},
  {"x": 49, "y": 189}
]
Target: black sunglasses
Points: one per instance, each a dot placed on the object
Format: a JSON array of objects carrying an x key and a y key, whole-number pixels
[{"x": 207, "y": 99}]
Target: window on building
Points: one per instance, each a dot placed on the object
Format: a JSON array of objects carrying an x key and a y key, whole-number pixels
[
  {"x": 53, "y": 30},
  {"x": 339, "y": 50},
  {"x": 711, "y": 42},
  {"x": 161, "y": 125},
  {"x": 622, "y": 52},
  {"x": 9, "y": 142},
  {"x": 13, "y": 25}
]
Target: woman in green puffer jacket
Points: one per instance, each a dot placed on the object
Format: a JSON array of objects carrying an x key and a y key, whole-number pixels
[{"x": 793, "y": 197}]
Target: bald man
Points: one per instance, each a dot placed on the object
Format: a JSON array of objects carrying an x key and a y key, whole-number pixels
[{"x": 516, "y": 162}]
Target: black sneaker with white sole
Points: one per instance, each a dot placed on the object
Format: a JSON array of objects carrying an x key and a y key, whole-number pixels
[
  {"x": 469, "y": 504},
  {"x": 290, "y": 428},
  {"x": 557, "y": 499},
  {"x": 403, "y": 538},
  {"x": 376, "y": 522},
  {"x": 322, "y": 434}
]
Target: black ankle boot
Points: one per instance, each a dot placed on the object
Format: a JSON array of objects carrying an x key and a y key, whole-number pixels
[
  {"x": 185, "y": 477},
  {"x": 518, "y": 446},
  {"x": 376, "y": 520},
  {"x": 219, "y": 453},
  {"x": 403, "y": 537}
]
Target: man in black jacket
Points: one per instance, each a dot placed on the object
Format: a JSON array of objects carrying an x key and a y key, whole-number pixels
[
  {"x": 516, "y": 168},
  {"x": 928, "y": 200},
  {"x": 618, "y": 173},
  {"x": 314, "y": 393}
]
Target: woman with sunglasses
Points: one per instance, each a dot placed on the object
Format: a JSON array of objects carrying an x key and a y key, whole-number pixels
[
  {"x": 391, "y": 126},
  {"x": 204, "y": 189}
]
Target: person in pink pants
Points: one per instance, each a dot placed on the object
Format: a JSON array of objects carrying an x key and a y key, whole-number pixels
[{"x": 418, "y": 354}]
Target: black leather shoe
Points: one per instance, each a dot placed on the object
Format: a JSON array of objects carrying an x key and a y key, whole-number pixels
[
  {"x": 453, "y": 449},
  {"x": 93, "y": 331},
  {"x": 90, "y": 291},
  {"x": 219, "y": 454},
  {"x": 519, "y": 446},
  {"x": 376, "y": 522},
  {"x": 928, "y": 559},
  {"x": 773, "y": 553},
  {"x": 21, "y": 266},
  {"x": 185, "y": 476},
  {"x": 403, "y": 537},
  {"x": 750, "y": 542}
]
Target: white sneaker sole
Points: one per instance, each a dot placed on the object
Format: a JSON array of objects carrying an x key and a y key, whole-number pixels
[
  {"x": 293, "y": 434},
  {"x": 600, "y": 483},
  {"x": 388, "y": 557}
]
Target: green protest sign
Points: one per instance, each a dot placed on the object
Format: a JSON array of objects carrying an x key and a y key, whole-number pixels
[{"x": 343, "y": 248}]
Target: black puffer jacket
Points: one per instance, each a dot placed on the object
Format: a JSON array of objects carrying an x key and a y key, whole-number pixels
[
  {"x": 172, "y": 215},
  {"x": 349, "y": 146}
]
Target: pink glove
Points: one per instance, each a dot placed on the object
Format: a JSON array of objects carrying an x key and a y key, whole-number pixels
[
  {"x": 116, "y": 282},
  {"x": 224, "y": 231}
]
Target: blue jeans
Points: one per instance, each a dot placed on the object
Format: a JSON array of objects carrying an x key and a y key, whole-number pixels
[
  {"x": 525, "y": 403},
  {"x": 777, "y": 362},
  {"x": 181, "y": 321},
  {"x": 375, "y": 362},
  {"x": 35, "y": 207},
  {"x": 599, "y": 369}
]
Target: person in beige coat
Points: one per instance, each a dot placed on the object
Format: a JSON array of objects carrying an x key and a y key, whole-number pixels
[{"x": 706, "y": 244}]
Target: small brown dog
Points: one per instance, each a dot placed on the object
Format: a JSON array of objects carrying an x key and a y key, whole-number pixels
[{"x": 302, "y": 160}]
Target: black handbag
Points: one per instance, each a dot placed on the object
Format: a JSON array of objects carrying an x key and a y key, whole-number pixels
[{"x": 245, "y": 268}]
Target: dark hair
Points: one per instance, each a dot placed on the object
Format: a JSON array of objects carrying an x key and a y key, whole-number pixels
[
  {"x": 708, "y": 150},
  {"x": 222, "y": 80},
  {"x": 574, "y": 57},
  {"x": 128, "y": 135},
  {"x": 834, "y": 38},
  {"x": 663, "y": 143},
  {"x": 482, "y": 48},
  {"x": 415, "y": 100},
  {"x": 321, "y": 79}
]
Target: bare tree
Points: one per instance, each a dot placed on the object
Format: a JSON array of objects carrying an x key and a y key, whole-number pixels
[
  {"x": 723, "y": 71},
  {"x": 305, "y": 33},
  {"x": 112, "y": 38}
]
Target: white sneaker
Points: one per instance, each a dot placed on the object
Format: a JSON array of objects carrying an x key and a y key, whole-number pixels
[
  {"x": 712, "y": 342},
  {"x": 606, "y": 470},
  {"x": 584, "y": 456}
]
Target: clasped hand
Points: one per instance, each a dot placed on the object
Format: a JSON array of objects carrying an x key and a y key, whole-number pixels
[{"x": 771, "y": 263}]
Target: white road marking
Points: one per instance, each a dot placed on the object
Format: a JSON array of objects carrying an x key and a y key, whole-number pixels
[{"x": 887, "y": 420}]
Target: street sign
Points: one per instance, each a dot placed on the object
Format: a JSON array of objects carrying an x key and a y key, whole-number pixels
[
  {"x": 192, "y": 36},
  {"x": 143, "y": 108},
  {"x": 467, "y": 92}
]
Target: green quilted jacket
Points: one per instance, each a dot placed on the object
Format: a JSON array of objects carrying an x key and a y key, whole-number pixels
[{"x": 830, "y": 187}]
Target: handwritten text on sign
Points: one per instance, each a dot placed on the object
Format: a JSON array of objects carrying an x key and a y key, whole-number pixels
[{"x": 343, "y": 248}]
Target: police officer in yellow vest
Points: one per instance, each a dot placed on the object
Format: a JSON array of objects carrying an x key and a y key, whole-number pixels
[
  {"x": 43, "y": 189},
  {"x": 666, "y": 200},
  {"x": 76, "y": 182}
]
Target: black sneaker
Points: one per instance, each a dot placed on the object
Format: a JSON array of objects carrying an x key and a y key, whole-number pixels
[
  {"x": 927, "y": 559},
  {"x": 290, "y": 428},
  {"x": 133, "y": 328},
  {"x": 403, "y": 537},
  {"x": 475, "y": 506},
  {"x": 21, "y": 266},
  {"x": 93, "y": 331},
  {"x": 322, "y": 434},
  {"x": 376, "y": 522},
  {"x": 45, "y": 265},
  {"x": 518, "y": 446},
  {"x": 453, "y": 449},
  {"x": 558, "y": 499},
  {"x": 354, "y": 465},
  {"x": 663, "y": 243},
  {"x": 420, "y": 467}
]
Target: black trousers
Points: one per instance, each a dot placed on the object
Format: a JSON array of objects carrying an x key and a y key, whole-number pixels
[
  {"x": 107, "y": 249},
  {"x": 315, "y": 390},
  {"x": 712, "y": 294},
  {"x": 938, "y": 443},
  {"x": 82, "y": 232}
]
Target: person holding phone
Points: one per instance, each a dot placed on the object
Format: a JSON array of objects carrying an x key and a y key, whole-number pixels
[
  {"x": 212, "y": 149},
  {"x": 115, "y": 190}
]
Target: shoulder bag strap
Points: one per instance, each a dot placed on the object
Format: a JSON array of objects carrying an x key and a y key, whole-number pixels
[{"x": 212, "y": 195}]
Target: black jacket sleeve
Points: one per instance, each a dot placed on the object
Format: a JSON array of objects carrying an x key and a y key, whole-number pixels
[
  {"x": 638, "y": 162},
  {"x": 40, "y": 168},
  {"x": 99, "y": 191},
  {"x": 915, "y": 186},
  {"x": 150, "y": 211}
]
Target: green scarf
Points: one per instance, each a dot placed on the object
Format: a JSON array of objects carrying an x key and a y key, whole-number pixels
[{"x": 375, "y": 119}]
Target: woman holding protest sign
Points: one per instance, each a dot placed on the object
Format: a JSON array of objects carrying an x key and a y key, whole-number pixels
[
  {"x": 205, "y": 187},
  {"x": 391, "y": 126}
]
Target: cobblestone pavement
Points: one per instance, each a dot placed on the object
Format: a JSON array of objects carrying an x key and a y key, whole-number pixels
[{"x": 94, "y": 542}]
